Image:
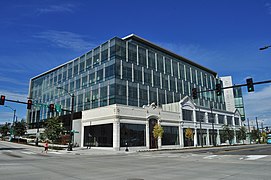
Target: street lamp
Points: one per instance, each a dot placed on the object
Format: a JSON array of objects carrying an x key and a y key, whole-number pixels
[
  {"x": 201, "y": 138},
  {"x": 72, "y": 112},
  {"x": 258, "y": 133},
  {"x": 249, "y": 132},
  {"x": 265, "y": 47},
  {"x": 14, "y": 114},
  {"x": 38, "y": 123},
  {"x": 213, "y": 133}
]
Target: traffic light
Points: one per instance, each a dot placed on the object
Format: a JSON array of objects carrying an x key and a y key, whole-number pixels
[
  {"x": 51, "y": 107},
  {"x": 250, "y": 86},
  {"x": 58, "y": 108},
  {"x": 29, "y": 104},
  {"x": 2, "y": 100},
  {"x": 194, "y": 93},
  {"x": 218, "y": 89}
]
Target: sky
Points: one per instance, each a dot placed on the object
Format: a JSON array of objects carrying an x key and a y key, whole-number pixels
[{"x": 224, "y": 36}]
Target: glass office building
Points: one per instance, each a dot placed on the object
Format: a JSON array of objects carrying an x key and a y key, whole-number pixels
[
  {"x": 128, "y": 71},
  {"x": 238, "y": 101},
  {"x": 233, "y": 97}
]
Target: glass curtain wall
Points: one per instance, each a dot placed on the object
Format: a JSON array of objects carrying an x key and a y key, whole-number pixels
[
  {"x": 125, "y": 72},
  {"x": 84, "y": 77}
]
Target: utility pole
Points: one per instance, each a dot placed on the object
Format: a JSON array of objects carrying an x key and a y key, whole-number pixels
[
  {"x": 213, "y": 133},
  {"x": 249, "y": 131},
  {"x": 72, "y": 112},
  {"x": 258, "y": 133}
]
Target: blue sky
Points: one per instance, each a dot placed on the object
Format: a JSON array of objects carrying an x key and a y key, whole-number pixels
[{"x": 222, "y": 35}]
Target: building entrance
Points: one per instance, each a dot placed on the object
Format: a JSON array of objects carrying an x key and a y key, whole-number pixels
[{"x": 153, "y": 141}]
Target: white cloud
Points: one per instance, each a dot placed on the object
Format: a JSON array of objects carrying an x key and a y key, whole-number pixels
[
  {"x": 12, "y": 80},
  {"x": 258, "y": 104},
  {"x": 16, "y": 96},
  {"x": 196, "y": 53},
  {"x": 64, "y": 8},
  {"x": 64, "y": 39},
  {"x": 268, "y": 6},
  {"x": 181, "y": 49},
  {"x": 6, "y": 116}
]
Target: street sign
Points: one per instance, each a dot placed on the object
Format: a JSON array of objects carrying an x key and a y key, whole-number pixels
[
  {"x": 58, "y": 108},
  {"x": 74, "y": 131}
]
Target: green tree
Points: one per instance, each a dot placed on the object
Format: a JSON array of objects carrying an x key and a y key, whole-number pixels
[
  {"x": 19, "y": 128},
  {"x": 189, "y": 135},
  {"x": 242, "y": 133},
  {"x": 264, "y": 137},
  {"x": 255, "y": 135},
  {"x": 227, "y": 133},
  {"x": 4, "y": 130},
  {"x": 158, "y": 131},
  {"x": 53, "y": 129}
]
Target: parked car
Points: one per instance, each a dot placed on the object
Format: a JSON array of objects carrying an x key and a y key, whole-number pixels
[{"x": 268, "y": 141}]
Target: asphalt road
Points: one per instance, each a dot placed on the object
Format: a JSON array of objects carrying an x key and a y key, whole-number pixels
[
  {"x": 258, "y": 149},
  {"x": 23, "y": 162}
]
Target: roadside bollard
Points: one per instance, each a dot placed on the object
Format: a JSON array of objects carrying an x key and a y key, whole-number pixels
[{"x": 126, "y": 145}]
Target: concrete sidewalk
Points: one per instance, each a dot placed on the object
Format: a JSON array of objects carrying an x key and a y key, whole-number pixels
[
  {"x": 110, "y": 151},
  {"x": 79, "y": 150},
  {"x": 94, "y": 151}
]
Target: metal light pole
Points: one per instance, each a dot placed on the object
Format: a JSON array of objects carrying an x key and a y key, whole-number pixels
[
  {"x": 249, "y": 131},
  {"x": 72, "y": 112},
  {"x": 213, "y": 133},
  {"x": 201, "y": 138},
  {"x": 38, "y": 126},
  {"x": 258, "y": 133},
  {"x": 262, "y": 125},
  {"x": 14, "y": 115},
  {"x": 38, "y": 131},
  {"x": 265, "y": 47},
  {"x": 14, "y": 112}
]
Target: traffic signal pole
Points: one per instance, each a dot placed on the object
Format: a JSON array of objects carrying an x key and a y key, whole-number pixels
[{"x": 238, "y": 85}]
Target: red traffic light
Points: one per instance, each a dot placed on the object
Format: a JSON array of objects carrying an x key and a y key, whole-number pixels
[
  {"x": 2, "y": 100},
  {"x": 29, "y": 104}
]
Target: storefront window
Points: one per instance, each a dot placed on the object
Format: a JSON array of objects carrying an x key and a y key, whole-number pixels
[
  {"x": 132, "y": 134},
  {"x": 99, "y": 135},
  {"x": 170, "y": 136}
]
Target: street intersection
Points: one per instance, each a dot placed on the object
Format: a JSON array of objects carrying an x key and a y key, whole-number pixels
[{"x": 29, "y": 162}]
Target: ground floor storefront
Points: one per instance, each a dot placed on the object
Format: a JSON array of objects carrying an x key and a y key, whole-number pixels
[{"x": 120, "y": 127}]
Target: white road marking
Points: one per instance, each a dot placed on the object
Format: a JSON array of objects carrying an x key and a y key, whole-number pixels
[
  {"x": 7, "y": 151},
  {"x": 54, "y": 152},
  {"x": 210, "y": 157},
  {"x": 254, "y": 157},
  {"x": 27, "y": 152}
]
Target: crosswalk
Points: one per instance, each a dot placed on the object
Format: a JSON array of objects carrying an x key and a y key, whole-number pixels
[
  {"x": 178, "y": 156},
  {"x": 253, "y": 157},
  {"x": 206, "y": 157},
  {"x": 17, "y": 153}
]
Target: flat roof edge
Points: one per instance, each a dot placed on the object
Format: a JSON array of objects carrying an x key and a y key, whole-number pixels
[
  {"x": 50, "y": 70},
  {"x": 135, "y": 37}
]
